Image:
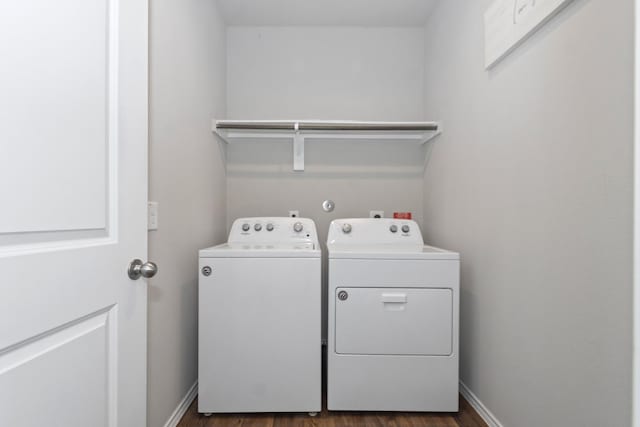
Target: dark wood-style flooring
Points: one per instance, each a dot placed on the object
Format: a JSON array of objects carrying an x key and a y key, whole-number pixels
[{"x": 467, "y": 417}]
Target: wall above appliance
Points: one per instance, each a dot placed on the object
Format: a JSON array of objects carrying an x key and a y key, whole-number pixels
[
  {"x": 299, "y": 131},
  {"x": 382, "y": 13}
]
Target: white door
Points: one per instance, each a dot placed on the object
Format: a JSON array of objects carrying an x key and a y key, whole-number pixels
[{"x": 73, "y": 183}]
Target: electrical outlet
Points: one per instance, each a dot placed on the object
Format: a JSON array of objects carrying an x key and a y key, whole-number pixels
[
  {"x": 152, "y": 216},
  {"x": 376, "y": 214},
  {"x": 294, "y": 214}
]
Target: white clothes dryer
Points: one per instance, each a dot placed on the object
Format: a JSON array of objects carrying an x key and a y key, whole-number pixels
[
  {"x": 259, "y": 319},
  {"x": 393, "y": 319}
]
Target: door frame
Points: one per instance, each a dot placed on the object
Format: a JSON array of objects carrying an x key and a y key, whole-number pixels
[{"x": 635, "y": 404}]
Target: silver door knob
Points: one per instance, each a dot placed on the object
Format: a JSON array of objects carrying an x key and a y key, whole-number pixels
[{"x": 138, "y": 269}]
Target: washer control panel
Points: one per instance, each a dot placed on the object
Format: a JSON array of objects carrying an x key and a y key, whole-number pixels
[
  {"x": 367, "y": 231},
  {"x": 273, "y": 230}
]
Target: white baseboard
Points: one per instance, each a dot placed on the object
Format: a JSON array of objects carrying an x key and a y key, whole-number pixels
[
  {"x": 482, "y": 410},
  {"x": 179, "y": 412}
]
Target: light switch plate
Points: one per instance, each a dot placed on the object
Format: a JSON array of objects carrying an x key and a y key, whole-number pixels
[{"x": 152, "y": 216}]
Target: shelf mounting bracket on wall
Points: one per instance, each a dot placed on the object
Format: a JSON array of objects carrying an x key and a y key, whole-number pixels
[
  {"x": 298, "y": 149},
  {"x": 238, "y": 131}
]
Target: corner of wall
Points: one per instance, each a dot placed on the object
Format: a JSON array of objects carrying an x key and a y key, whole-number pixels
[{"x": 187, "y": 178}]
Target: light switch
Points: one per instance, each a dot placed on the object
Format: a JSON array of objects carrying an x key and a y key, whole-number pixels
[{"x": 152, "y": 216}]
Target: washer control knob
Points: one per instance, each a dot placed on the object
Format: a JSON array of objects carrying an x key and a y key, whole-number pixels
[
  {"x": 405, "y": 229},
  {"x": 297, "y": 227},
  {"x": 393, "y": 228},
  {"x": 346, "y": 228},
  {"x": 269, "y": 227},
  {"x": 245, "y": 227},
  {"x": 257, "y": 227}
]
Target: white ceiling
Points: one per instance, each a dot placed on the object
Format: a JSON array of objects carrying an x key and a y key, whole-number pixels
[{"x": 375, "y": 13}]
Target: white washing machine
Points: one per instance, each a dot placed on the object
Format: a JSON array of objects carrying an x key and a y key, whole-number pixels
[
  {"x": 393, "y": 319},
  {"x": 259, "y": 319}
]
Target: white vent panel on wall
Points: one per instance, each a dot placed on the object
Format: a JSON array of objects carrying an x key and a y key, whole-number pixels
[{"x": 508, "y": 23}]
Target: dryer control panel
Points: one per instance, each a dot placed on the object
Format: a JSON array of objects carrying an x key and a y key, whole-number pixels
[
  {"x": 273, "y": 230},
  {"x": 374, "y": 231}
]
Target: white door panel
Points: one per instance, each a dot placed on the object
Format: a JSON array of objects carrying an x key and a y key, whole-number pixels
[
  {"x": 73, "y": 180},
  {"x": 57, "y": 79},
  {"x": 89, "y": 346}
]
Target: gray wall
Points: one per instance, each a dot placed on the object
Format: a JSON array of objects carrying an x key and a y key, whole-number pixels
[
  {"x": 337, "y": 73},
  {"x": 187, "y": 88},
  {"x": 532, "y": 183}
]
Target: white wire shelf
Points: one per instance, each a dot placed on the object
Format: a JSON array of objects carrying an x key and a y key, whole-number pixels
[{"x": 299, "y": 131}]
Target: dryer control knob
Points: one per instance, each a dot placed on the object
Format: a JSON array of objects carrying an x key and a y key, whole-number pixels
[
  {"x": 269, "y": 227},
  {"x": 257, "y": 227},
  {"x": 346, "y": 228},
  {"x": 245, "y": 227},
  {"x": 393, "y": 228},
  {"x": 405, "y": 229},
  {"x": 297, "y": 227}
]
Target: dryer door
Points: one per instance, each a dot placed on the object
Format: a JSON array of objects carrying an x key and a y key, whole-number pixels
[{"x": 394, "y": 321}]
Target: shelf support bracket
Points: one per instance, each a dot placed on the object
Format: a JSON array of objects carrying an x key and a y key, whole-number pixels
[{"x": 298, "y": 150}]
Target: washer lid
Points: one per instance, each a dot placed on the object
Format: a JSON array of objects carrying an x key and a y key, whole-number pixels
[
  {"x": 239, "y": 250},
  {"x": 393, "y": 252}
]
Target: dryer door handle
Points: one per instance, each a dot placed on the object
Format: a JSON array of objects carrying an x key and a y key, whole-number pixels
[{"x": 395, "y": 298}]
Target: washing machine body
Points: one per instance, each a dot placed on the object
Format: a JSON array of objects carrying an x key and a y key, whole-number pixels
[
  {"x": 259, "y": 319},
  {"x": 393, "y": 319}
]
